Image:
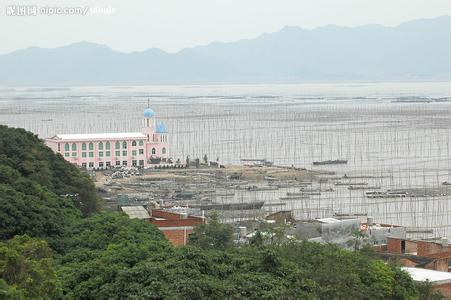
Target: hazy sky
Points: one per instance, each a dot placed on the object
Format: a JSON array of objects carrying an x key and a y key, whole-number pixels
[{"x": 135, "y": 25}]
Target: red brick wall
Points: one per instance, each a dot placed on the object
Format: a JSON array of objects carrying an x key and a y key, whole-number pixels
[
  {"x": 411, "y": 246},
  {"x": 176, "y": 223},
  {"x": 380, "y": 248},
  {"x": 445, "y": 289},
  {"x": 438, "y": 265},
  {"x": 393, "y": 245},
  {"x": 177, "y": 237},
  {"x": 407, "y": 262},
  {"x": 441, "y": 265},
  {"x": 424, "y": 248},
  {"x": 173, "y": 219},
  {"x": 169, "y": 215}
]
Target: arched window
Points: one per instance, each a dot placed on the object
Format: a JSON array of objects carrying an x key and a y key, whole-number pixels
[
  {"x": 163, "y": 151},
  {"x": 141, "y": 143},
  {"x": 91, "y": 146},
  {"x": 100, "y": 146},
  {"x": 134, "y": 143},
  {"x": 107, "y": 145},
  {"x": 66, "y": 147},
  {"x": 154, "y": 151},
  {"x": 124, "y": 145},
  {"x": 83, "y": 146},
  {"x": 118, "y": 145},
  {"x": 74, "y": 147}
]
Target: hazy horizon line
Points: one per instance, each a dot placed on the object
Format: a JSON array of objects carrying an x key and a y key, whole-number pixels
[{"x": 223, "y": 42}]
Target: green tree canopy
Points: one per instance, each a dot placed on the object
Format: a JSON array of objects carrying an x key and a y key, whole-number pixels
[
  {"x": 213, "y": 235},
  {"x": 24, "y": 155},
  {"x": 26, "y": 265}
]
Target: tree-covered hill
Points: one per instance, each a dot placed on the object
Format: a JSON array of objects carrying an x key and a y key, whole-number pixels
[
  {"x": 26, "y": 160},
  {"x": 53, "y": 246},
  {"x": 40, "y": 192}
]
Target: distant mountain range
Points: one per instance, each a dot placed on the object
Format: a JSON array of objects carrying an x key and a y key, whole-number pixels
[{"x": 416, "y": 50}]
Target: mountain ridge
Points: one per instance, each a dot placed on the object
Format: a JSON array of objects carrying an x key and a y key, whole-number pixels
[{"x": 415, "y": 50}]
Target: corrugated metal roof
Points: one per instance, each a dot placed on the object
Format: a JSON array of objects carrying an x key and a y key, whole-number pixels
[
  {"x": 136, "y": 212},
  {"x": 435, "y": 277},
  {"x": 328, "y": 220},
  {"x": 100, "y": 136}
]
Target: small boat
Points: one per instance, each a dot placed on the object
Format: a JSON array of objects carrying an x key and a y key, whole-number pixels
[
  {"x": 388, "y": 194},
  {"x": 351, "y": 183},
  {"x": 304, "y": 193},
  {"x": 351, "y": 187},
  {"x": 396, "y": 194},
  {"x": 375, "y": 194},
  {"x": 230, "y": 206},
  {"x": 185, "y": 195},
  {"x": 300, "y": 197},
  {"x": 260, "y": 188},
  {"x": 275, "y": 204},
  {"x": 330, "y": 162}
]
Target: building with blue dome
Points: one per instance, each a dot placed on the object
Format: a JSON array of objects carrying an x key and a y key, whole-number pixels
[
  {"x": 149, "y": 113},
  {"x": 160, "y": 127},
  {"x": 104, "y": 150}
]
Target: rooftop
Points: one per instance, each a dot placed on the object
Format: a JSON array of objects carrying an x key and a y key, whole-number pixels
[
  {"x": 99, "y": 136},
  {"x": 135, "y": 212},
  {"x": 435, "y": 277},
  {"x": 328, "y": 220}
]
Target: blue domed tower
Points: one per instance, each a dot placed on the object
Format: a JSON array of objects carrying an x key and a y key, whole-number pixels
[
  {"x": 157, "y": 144},
  {"x": 149, "y": 123},
  {"x": 161, "y": 133}
]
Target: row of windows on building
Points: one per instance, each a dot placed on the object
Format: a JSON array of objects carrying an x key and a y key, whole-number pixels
[
  {"x": 107, "y": 153},
  {"x": 117, "y": 153},
  {"x": 108, "y": 164},
  {"x": 163, "y": 138},
  {"x": 100, "y": 145}
]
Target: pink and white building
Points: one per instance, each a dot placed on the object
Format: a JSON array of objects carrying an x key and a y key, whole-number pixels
[{"x": 104, "y": 150}]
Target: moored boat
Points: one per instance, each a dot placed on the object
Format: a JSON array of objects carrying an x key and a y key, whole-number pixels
[{"x": 330, "y": 162}]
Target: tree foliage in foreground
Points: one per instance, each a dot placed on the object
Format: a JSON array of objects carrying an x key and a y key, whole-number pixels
[
  {"x": 215, "y": 235},
  {"x": 26, "y": 267}
]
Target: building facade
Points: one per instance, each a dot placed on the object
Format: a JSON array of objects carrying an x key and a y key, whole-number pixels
[
  {"x": 176, "y": 227},
  {"x": 104, "y": 150}
]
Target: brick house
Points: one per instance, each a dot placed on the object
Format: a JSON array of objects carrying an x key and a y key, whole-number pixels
[
  {"x": 176, "y": 227},
  {"x": 424, "y": 254}
]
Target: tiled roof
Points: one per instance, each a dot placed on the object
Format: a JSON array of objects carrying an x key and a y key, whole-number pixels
[{"x": 99, "y": 136}]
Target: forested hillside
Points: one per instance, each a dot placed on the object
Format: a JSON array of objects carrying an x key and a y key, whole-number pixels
[{"x": 56, "y": 243}]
